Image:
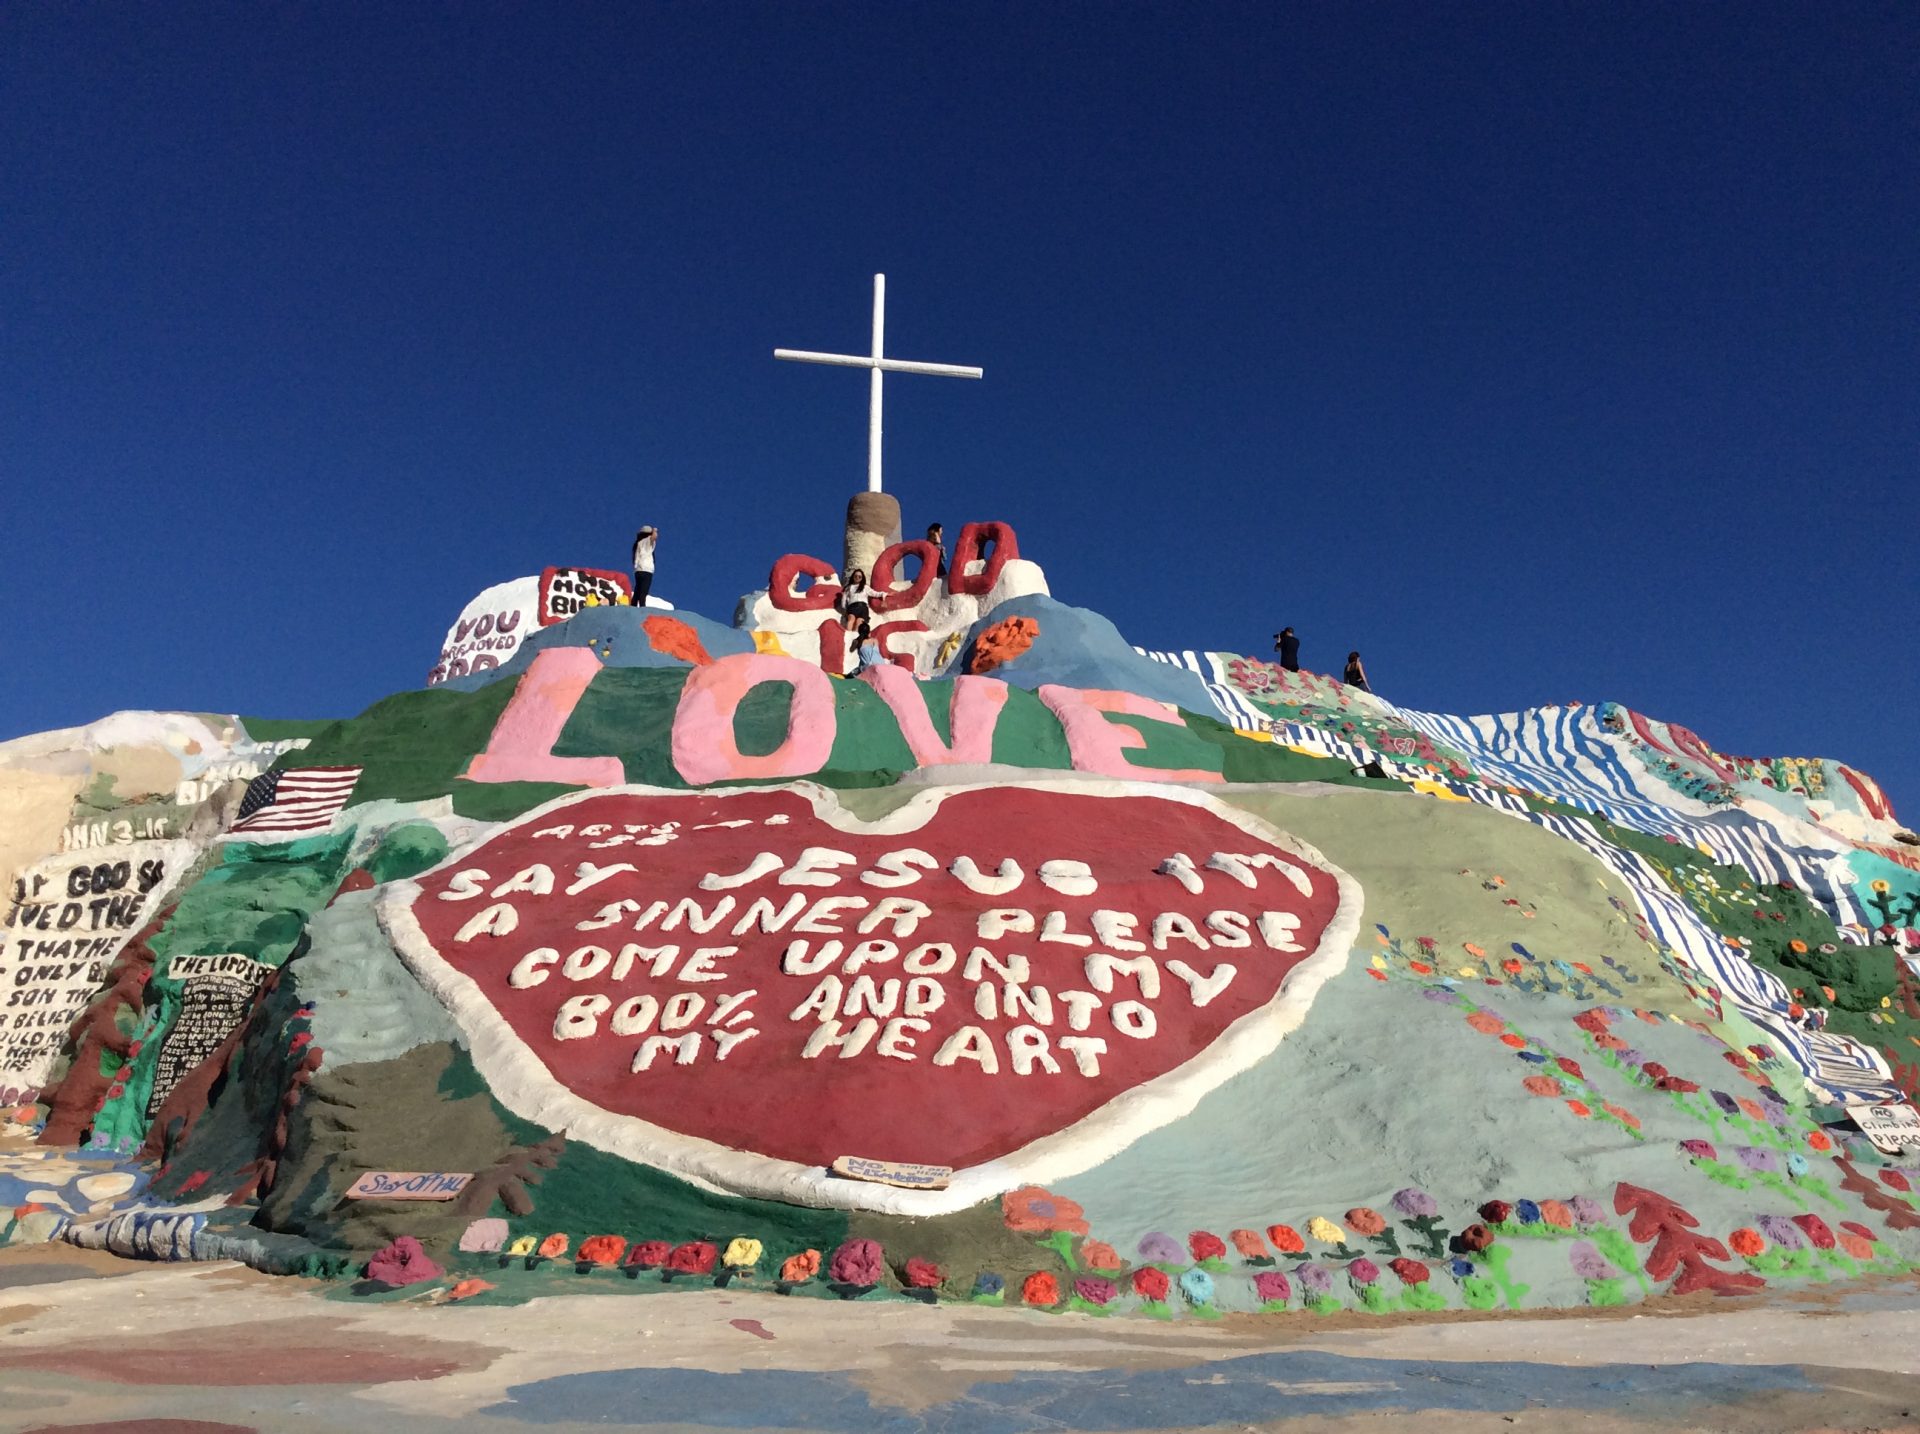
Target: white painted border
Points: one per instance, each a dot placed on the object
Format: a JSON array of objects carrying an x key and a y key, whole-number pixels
[{"x": 521, "y": 1081}]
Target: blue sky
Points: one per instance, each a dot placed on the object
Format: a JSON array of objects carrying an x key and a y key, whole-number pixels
[{"x": 1539, "y": 352}]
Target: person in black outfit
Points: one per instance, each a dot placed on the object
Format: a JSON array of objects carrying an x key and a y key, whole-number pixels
[
  {"x": 937, "y": 536},
  {"x": 1356, "y": 675},
  {"x": 1288, "y": 646}
]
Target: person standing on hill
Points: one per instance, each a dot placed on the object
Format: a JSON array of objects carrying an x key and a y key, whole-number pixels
[
  {"x": 1288, "y": 646},
  {"x": 938, "y": 537},
  {"x": 643, "y": 542},
  {"x": 1356, "y": 675}
]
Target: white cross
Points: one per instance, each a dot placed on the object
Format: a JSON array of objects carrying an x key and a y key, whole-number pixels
[{"x": 878, "y": 363}]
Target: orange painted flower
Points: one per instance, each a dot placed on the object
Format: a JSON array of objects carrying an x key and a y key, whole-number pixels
[
  {"x": 1745, "y": 1241},
  {"x": 553, "y": 1247},
  {"x": 1818, "y": 1141},
  {"x": 1558, "y": 1213},
  {"x": 1752, "y": 1109},
  {"x": 1609, "y": 1042},
  {"x": 602, "y": 1250},
  {"x": 1040, "y": 1288},
  {"x": 1472, "y": 950},
  {"x": 1365, "y": 1221},
  {"x": 1000, "y": 644},
  {"x": 1799, "y": 948},
  {"x": 798, "y": 1269},
  {"x": 1486, "y": 1023},
  {"x": 1580, "y": 1108},
  {"x": 467, "y": 1289},
  {"x": 1099, "y": 1255},
  {"x": 1621, "y": 1114},
  {"x": 1247, "y": 1242},
  {"x": 1420, "y": 968},
  {"x": 1286, "y": 1239},
  {"x": 1515, "y": 1041},
  {"x": 1542, "y": 1085},
  {"x": 1033, "y": 1211},
  {"x": 1511, "y": 967},
  {"x": 1855, "y": 1246}
]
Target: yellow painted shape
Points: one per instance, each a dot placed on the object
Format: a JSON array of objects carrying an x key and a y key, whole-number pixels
[{"x": 768, "y": 642}]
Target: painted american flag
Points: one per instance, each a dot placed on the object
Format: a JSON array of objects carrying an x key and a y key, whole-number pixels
[{"x": 295, "y": 801}]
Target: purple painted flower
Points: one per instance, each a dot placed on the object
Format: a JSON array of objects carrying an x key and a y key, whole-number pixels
[
  {"x": 1363, "y": 1271},
  {"x": 1158, "y": 1249},
  {"x": 1271, "y": 1287},
  {"x": 1758, "y": 1160},
  {"x": 1782, "y": 1231},
  {"x": 1630, "y": 1056},
  {"x": 1315, "y": 1279},
  {"x": 1526, "y": 1212},
  {"x": 1726, "y": 1102},
  {"x": 1416, "y": 1204},
  {"x": 1438, "y": 993},
  {"x": 1588, "y": 1263},
  {"x": 1698, "y": 1150},
  {"x": 1094, "y": 1290},
  {"x": 1587, "y": 1210}
]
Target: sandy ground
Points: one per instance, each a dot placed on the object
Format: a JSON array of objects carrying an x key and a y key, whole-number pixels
[{"x": 91, "y": 1342}]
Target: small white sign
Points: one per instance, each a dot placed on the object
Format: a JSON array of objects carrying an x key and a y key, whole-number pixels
[
  {"x": 1893, "y": 1129},
  {"x": 894, "y": 1172}
]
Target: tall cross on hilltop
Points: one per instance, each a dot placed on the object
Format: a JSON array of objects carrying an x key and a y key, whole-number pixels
[{"x": 878, "y": 363}]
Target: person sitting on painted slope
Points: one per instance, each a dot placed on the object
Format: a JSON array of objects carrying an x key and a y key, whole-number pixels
[
  {"x": 643, "y": 542},
  {"x": 1356, "y": 675},
  {"x": 1288, "y": 646},
  {"x": 868, "y": 652}
]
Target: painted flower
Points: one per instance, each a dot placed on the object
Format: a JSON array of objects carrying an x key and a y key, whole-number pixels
[
  {"x": 798, "y": 1269},
  {"x": 1325, "y": 1231},
  {"x": 1609, "y": 1042},
  {"x": 1819, "y": 1140},
  {"x": 1206, "y": 1246},
  {"x": 1727, "y": 1103},
  {"x": 1587, "y": 1210},
  {"x": 553, "y": 1247},
  {"x": 602, "y": 1250},
  {"x": 1270, "y": 1287},
  {"x": 1315, "y": 1279},
  {"x": 1782, "y": 1231},
  {"x": 1411, "y": 1272},
  {"x": 1796, "y": 1164},
  {"x": 1363, "y": 1271},
  {"x": 696, "y": 1257},
  {"x": 1699, "y": 1150},
  {"x": 1197, "y": 1287},
  {"x": 1757, "y": 1159},
  {"x": 1286, "y": 1239},
  {"x": 1496, "y": 1212},
  {"x": 741, "y": 1254},
  {"x": 1653, "y": 1070},
  {"x": 649, "y": 1254},
  {"x": 1894, "y": 1180},
  {"x": 987, "y": 1283},
  {"x": 1859, "y": 1231},
  {"x": 1363, "y": 1220},
  {"x": 1677, "y": 1084},
  {"x": 856, "y": 1262},
  {"x": 1797, "y": 947},
  {"x": 1459, "y": 1268},
  {"x": 1580, "y": 1108},
  {"x": 1032, "y": 1211},
  {"x": 1486, "y": 1023},
  {"x": 1416, "y": 1204},
  {"x": 1099, "y": 1255},
  {"x": 1247, "y": 1242},
  {"x": 1588, "y": 1263},
  {"x": 525, "y": 1245},
  {"x": 1531, "y": 1057},
  {"x": 1151, "y": 1284},
  {"x": 922, "y": 1274},
  {"x": 1040, "y": 1288},
  {"x": 1475, "y": 1238},
  {"x": 1746, "y": 1241},
  {"x": 1594, "y": 1022},
  {"x": 1816, "y": 1231},
  {"x": 1526, "y": 1212},
  {"x": 1094, "y": 1290},
  {"x": 1856, "y": 1247},
  {"x": 1160, "y": 1249},
  {"x": 1556, "y": 1214},
  {"x": 1510, "y": 1039},
  {"x": 1572, "y": 1068}
]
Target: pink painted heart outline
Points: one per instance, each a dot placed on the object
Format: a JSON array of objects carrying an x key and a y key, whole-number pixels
[{"x": 521, "y": 1080}]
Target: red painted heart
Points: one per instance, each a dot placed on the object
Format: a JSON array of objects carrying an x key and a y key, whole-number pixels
[{"x": 979, "y": 976}]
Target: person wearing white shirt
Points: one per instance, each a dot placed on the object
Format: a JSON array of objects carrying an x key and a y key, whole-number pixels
[{"x": 643, "y": 542}]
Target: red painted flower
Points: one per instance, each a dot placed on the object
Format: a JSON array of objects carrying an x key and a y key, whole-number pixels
[
  {"x": 1816, "y": 1231},
  {"x": 1475, "y": 1238},
  {"x": 1818, "y": 1140},
  {"x": 1206, "y": 1246},
  {"x": 649, "y": 1254},
  {"x": 1512, "y": 1040},
  {"x": 1512, "y": 967},
  {"x": 1594, "y": 1021},
  {"x": 1411, "y": 1272},
  {"x": 1542, "y": 1085},
  {"x": 923, "y": 1274},
  {"x": 1854, "y": 1227},
  {"x": 1894, "y": 1180},
  {"x": 1150, "y": 1284},
  {"x": 1676, "y": 1084},
  {"x": 1610, "y": 1042},
  {"x": 1496, "y": 1212},
  {"x": 694, "y": 1258},
  {"x": 1653, "y": 1070},
  {"x": 1572, "y": 1068},
  {"x": 553, "y": 1247},
  {"x": 1033, "y": 1211},
  {"x": 1286, "y": 1239},
  {"x": 1580, "y": 1108}
]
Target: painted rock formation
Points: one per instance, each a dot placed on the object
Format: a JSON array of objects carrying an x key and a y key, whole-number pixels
[{"x": 1024, "y": 967}]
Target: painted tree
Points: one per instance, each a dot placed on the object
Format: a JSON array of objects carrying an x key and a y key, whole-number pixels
[
  {"x": 1676, "y": 1246},
  {"x": 509, "y": 1176}
]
